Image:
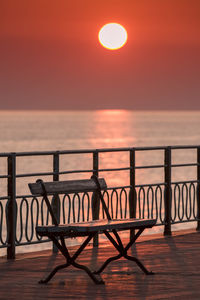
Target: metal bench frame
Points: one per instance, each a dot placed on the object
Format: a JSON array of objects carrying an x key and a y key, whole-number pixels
[{"x": 71, "y": 259}]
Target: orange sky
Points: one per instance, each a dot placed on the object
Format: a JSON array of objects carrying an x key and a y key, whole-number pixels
[{"x": 50, "y": 57}]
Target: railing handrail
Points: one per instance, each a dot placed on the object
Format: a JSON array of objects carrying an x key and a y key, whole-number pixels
[{"x": 100, "y": 150}]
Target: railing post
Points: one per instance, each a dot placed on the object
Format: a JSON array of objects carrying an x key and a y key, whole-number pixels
[
  {"x": 56, "y": 199},
  {"x": 95, "y": 197},
  {"x": 11, "y": 207},
  {"x": 132, "y": 194},
  {"x": 198, "y": 188},
  {"x": 168, "y": 193}
]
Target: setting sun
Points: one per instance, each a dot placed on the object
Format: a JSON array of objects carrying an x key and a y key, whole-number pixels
[{"x": 112, "y": 36}]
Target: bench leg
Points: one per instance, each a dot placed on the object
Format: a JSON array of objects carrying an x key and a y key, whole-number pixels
[
  {"x": 76, "y": 265},
  {"x": 53, "y": 272},
  {"x": 109, "y": 260},
  {"x": 123, "y": 252},
  {"x": 71, "y": 259},
  {"x": 87, "y": 270},
  {"x": 140, "y": 265}
]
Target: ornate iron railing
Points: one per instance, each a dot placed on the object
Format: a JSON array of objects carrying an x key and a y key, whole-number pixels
[{"x": 170, "y": 202}]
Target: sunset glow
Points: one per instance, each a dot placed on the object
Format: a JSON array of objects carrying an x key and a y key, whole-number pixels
[
  {"x": 55, "y": 54},
  {"x": 112, "y": 36}
]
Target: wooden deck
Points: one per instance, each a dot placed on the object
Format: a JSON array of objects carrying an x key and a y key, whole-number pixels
[{"x": 175, "y": 260}]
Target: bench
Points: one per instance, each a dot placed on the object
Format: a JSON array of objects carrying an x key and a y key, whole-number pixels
[{"x": 109, "y": 227}]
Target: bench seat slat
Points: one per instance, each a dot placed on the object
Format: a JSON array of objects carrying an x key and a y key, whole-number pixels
[
  {"x": 69, "y": 186},
  {"x": 94, "y": 226}
]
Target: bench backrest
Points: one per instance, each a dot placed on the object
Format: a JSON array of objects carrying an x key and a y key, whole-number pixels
[
  {"x": 44, "y": 189},
  {"x": 66, "y": 187}
]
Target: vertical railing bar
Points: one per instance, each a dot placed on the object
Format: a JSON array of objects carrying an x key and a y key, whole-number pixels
[
  {"x": 56, "y": 199},
  {"x": 11, "y": 206},
  {"x": 168, "y": 189},
  {"x": 95, "y": 197},
  {"x": 198, "y": 188},
  {"x": 132, "y": 194}
]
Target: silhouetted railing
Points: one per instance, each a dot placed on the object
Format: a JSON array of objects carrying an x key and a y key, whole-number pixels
[{"x": 170, "y": 202}]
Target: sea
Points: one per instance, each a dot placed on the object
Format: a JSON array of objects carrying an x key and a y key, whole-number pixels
[
  {"x": 62, "y": 130},
  {"x": 22, "y": 131}
]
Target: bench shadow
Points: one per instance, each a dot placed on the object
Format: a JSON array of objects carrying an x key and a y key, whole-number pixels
[
  {"x": 179, "y": 258},
  {"x": 144, "y": 288},
  {"x": 97, "y": 290}
]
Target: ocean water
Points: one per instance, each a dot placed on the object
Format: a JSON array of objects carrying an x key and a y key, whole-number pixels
[
  {"x": 65, "y": 130},
  {"x": 58, "y": 130}
]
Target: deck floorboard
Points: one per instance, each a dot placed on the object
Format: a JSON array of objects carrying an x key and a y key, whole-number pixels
[{"x": 175, "y": 260}]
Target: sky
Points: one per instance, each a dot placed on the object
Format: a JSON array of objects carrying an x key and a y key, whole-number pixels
[{"x": 50, "y": 56}]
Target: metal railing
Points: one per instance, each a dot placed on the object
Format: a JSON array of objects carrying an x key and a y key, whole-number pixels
[{"x": 170, "y": 202}]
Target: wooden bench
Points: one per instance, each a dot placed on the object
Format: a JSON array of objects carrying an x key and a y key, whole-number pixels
[{"x": 58, "y": 232}]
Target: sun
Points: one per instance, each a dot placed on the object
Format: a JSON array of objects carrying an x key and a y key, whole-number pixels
[{"x": 112, "y": 36}]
